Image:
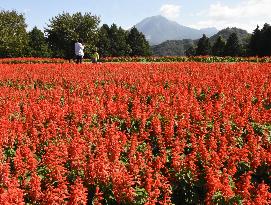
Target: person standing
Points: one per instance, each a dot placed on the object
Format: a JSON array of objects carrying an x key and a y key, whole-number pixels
[
  {"x": 79, "y": 51},
  {"x": 95, "y": 56}
]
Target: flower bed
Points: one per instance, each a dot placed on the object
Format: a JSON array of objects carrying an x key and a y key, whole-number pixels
[
  {"x": 133, "y": 133},
  {"x": 31, "y": 60}
]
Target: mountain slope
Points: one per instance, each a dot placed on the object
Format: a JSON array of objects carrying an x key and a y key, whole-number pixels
[
  {"x": 242, "y": 35},
  {"x": 172, "y": 47},
  {"x": 158, "y": 29},
  {"x": 178, "y": 47}
]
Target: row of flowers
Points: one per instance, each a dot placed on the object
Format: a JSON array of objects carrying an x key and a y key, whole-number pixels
[
  {"x": 31, "y": 60},
  {"x": 133, "y": 133},
  {"x": 204, "y": 59}
]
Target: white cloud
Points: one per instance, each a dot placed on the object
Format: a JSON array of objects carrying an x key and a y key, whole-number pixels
[
  {"x": 170, "y": 11},
  {"x": 246, "y": 14}
]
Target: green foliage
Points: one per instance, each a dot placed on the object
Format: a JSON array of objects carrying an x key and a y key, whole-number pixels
[
  {"x": 219, "y": 47},
  {"x": 203, "y": 47},
  {"x": 242, "y": 35},
  {"x": 141, "y": 196},
  {"x": 190, "y": 51},
  {"x": 218, "y": 198},
  {"x": 260, "y": 42},
  {"x": 118, "y": 42},
  {"x": 233, "y": 47},
  {"x": 65, "y": 29},
  {"x": 254, "y": 45},
  {"x": 186, "y": 190},
  {"x": 37, "y": 46},
  {"x": 113, "y": 41},
  {"x": 265, "y": 42},
  {"x": 172, "y": 47},
  {"x": 13, "y": 35},
  {"x": 203, "y": 59},
  {"x": 138, "y": 43},
  {"x": 104, "y": 41},
  {"x": 186, "y": 46}
]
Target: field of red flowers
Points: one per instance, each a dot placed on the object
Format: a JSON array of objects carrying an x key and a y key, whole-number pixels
[{"x": 133, "y": 133}]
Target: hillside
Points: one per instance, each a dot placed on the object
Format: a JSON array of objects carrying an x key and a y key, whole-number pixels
[
  {"x": 178, "y": 47},
  {"x": 172, "y": 48},
  {"x": 243, "y": 35}
]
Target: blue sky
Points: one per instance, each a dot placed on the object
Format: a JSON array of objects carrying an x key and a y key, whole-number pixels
[{"x": 244, "y": 14}]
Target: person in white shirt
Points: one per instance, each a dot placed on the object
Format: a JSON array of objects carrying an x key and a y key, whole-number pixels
[{"x": 79, "y": 51}]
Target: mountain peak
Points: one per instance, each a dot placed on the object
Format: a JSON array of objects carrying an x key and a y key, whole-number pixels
[
  {"x": 157, "y": 17},
  {"x": 158, "y": 29}
]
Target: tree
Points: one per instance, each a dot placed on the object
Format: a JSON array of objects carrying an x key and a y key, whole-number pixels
[
  {"x": 104, "y": 41},
  {"x": 203, "y": 46},
  {"x": 115, "y": 41},
  {"x": 13, "y": 34},
  {"x": 118, "y": 43},
  {"x": 254, "y": 44},
  {"x": 65, "y": 29},
  {"x": 37, "y": 45},
  {"x": 260, "y": 42},
  {"x": 138, "y": 43},
  {"x": 232, "y": 47},
  {"x": 265, "y": 41},
  {"x": 218, "y": 47},
  {"x": 190, "y": 51}
]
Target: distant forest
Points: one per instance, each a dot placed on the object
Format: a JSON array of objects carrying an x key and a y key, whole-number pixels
[
  {"x": 227, "y": 42},
  {"x": 63, "y": 30}
]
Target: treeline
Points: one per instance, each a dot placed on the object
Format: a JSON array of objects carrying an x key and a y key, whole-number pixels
[
  {"x": 231, "y": 47},
  {"x": 259, "y": 45},
  {"x": 57, "y": 40}
]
